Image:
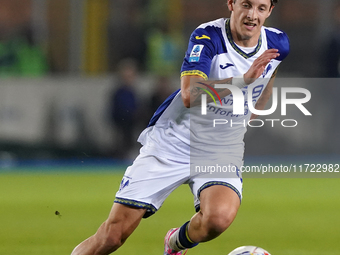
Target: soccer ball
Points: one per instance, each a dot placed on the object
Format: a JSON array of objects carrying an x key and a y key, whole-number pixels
[{"x": 249, "y": 250}]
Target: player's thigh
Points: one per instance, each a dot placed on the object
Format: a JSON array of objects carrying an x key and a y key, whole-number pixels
[
  {"x": 201, "y": 184},
  {"x": 219, "y": 197}
]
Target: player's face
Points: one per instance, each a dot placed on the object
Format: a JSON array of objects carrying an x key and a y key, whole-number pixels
[{"x": 247, "y": 18}]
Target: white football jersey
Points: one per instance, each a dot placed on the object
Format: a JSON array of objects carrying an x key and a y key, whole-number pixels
[{"x": 178, "y": 133}]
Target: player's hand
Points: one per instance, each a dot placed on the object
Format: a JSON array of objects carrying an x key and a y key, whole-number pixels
[{"x": 259, "y": 65}]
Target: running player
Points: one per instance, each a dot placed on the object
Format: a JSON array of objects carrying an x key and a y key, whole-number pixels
[{"x": 238, "y": 51}]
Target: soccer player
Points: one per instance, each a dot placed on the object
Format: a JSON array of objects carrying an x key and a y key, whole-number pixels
[{"x": 238, "y": 51}]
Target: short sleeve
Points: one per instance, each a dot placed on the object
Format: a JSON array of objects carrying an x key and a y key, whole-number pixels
[
  {"x": 199, "y": 54},
  {"x": 278, "y": 40}
]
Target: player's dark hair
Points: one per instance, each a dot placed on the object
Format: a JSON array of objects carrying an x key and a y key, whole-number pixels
[{"x": 274, "y": 2}]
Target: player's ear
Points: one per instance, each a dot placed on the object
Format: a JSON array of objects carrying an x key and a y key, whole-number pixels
[
  {"x": 270, "y": 11},
  {"x": 230, "y": 5}
]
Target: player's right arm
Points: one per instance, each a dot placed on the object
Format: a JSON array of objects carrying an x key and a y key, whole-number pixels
[
  {"x": 192, "y": 89},
  {"x": 192, "y": 85}
]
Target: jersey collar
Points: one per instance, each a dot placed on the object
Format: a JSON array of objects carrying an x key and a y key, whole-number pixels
[{"x": 236, "y": 48}]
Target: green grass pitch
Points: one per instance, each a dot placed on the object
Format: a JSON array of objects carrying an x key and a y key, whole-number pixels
[{"x": 284, "y": 216}]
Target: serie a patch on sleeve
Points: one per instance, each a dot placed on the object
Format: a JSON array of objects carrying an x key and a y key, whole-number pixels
[{"x": 196, "y": 53}]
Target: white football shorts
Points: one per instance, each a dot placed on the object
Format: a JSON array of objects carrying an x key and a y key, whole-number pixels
[{"x": 151, "y": 179}]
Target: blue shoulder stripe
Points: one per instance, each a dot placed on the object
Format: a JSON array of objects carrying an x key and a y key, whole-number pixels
[
  {"x": 162, "y": 108},
  {"x": 212, "y": 41},
  {"x": 215, "y": 41},
  {"x": 278, "y": 40}
]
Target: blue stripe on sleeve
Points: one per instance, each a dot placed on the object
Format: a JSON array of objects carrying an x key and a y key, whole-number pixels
[
  {"x": 212, "y": 39},
  {"x": 278, "y": 41}
]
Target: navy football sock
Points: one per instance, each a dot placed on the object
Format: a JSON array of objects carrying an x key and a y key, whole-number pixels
[{"x": 183, "y": 237}]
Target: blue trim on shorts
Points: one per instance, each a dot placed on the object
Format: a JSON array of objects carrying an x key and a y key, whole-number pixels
[
  {"x": 214, "y": 183},
  {"x": 150, "y": 209}
]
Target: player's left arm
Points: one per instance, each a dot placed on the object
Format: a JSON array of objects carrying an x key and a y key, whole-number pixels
[{"x": 266, "y": 94}]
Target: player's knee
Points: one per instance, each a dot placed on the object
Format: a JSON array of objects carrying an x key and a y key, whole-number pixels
[
  {"x": 216, "y": 226},
  {"x": 112, "y": 242},
  {"x": 108, "y": 239},
  {"x": 218, "y": 221}
]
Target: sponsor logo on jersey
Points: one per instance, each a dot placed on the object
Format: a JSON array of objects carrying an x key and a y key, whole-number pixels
[
  {"x": 202, "y": 37},
  {"x": 196, "y": 53},
  {"x": 226, "y": 66}
]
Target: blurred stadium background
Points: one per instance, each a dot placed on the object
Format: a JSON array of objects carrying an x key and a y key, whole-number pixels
[{"x": 62, "y": 147}]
